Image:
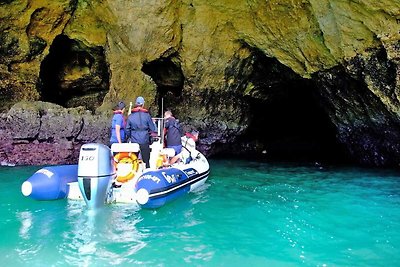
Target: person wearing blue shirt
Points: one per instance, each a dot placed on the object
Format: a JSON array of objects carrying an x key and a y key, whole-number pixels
[
  {"x": 118, "y": 124},
  {"x": 138, "y": 128}
]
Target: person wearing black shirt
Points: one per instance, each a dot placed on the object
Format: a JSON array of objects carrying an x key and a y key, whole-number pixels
[{"x": 173, "y": 135}]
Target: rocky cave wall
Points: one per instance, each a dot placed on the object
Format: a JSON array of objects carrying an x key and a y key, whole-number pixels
[{"x": 221, "y": 66}]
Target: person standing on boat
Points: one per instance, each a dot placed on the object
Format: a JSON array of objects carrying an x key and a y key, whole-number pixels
[
  {"x": 189, "y": 146},
  {"x": 173, "y": 135},
  {"x": 118, "y": 124},
  {"x": 138, "y": 129}
]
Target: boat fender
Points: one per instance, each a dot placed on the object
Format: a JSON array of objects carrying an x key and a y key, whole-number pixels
[
  {"x": 142, "y": 196},
  {"x": 160, "y": 161},
  {"x": 127, "y": 158}
]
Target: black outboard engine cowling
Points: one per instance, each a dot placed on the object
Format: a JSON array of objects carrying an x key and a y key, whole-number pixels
[{"x": 95, "y": 173}]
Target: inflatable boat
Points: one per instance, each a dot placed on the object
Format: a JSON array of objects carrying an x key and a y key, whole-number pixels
[{"x": 118, "y": 175}]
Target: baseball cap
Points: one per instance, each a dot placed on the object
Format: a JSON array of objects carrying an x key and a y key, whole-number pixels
[
  {"x": 140, "y": 100},
  {"x": 121, "y": 105}
]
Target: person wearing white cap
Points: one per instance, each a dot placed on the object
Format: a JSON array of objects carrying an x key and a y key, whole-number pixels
[
  {"x": 138, "y": 129},
  {"x": 189, "y": 146}
]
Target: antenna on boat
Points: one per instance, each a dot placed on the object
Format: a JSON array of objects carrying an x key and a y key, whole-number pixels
[
  {"x": 130, "y": 108},
  {"x": 162, "y": 120}
]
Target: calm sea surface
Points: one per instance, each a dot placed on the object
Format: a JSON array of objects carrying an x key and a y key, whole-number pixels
[{"x": 248, "y": 214}]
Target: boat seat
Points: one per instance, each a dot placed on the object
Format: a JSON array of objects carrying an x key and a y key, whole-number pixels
[
  {"x": 125, "y": 147},
  {"x": 169, "y": 152}
]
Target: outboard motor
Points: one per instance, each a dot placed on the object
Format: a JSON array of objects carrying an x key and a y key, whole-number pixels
[{"x": 95, "y": 173}]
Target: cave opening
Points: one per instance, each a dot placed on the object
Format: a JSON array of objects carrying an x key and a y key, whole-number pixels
[
  {"x": 73, "y": 74},
  {"x": 294, "y": 126},
  {"x": 167, "y": 74},
  {"x": 288, "y": 120}
]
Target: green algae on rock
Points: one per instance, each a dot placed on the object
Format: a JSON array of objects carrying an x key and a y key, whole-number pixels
[{"x": 206, "y": 60}]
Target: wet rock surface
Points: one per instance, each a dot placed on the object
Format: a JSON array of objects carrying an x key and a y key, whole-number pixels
[{"x": 39, "y": 133}]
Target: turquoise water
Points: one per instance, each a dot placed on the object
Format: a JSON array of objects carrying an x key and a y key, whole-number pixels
[{"x": 247, "y": 214}]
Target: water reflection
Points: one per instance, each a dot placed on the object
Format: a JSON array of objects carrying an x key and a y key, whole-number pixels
[
  {"x": 35, "y": 226},
  {"x": 68, "y": 232},
  {"x": 26, "y": 224},
  {"x": 101, "y": 235},
  {"x": 26, "y": 251}
]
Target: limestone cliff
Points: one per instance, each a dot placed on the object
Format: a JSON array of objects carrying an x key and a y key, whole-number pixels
[{"x": 225, "y": 67}]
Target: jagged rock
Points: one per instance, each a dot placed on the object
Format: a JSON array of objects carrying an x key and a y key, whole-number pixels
[
  {"x": 38, "y": 133},
  {"x": 365, "y": 122},
  {"x": 223, "y": 67},
  {"x": 95, "y": 128}
]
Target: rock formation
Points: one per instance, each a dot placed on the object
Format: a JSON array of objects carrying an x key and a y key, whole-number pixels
[{"x": 321, "y": 76}]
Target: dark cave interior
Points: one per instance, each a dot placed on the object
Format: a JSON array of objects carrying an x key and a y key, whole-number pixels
[
  {"x": 73, "y": 74},
  {"x": 288, "y": 117},
  {"x": 167, "y": 74},
  {"x": 294, "y": 126}
]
